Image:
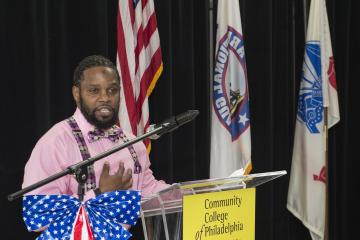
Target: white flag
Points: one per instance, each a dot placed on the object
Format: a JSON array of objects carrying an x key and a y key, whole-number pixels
[
  {"x": 230, "y": 127},
  {"x": 307, "y": 187}
]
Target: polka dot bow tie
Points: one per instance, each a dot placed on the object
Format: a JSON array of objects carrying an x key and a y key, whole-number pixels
[{"x": 112, "y": 134}]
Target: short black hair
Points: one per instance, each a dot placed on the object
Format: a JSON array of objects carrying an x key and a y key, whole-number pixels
[{"x": 93, "y": 61}]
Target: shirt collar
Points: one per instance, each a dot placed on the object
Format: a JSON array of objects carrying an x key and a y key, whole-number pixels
[{"x": 84, "y": 125}]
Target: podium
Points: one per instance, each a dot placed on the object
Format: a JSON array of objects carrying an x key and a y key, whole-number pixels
[{"x": 162, "y": 213}]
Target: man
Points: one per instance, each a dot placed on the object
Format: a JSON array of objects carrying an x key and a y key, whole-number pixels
[{"x": 90, "y": 131}]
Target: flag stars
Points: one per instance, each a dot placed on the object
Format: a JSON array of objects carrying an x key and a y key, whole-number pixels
[{"x": 243, "y": 119}]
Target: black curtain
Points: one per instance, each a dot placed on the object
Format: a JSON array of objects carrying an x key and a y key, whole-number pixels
[{"x": 42, "y": 41}]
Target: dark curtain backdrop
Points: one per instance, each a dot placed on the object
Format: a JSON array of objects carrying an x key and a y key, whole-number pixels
[{"x": 42, "y": 41}]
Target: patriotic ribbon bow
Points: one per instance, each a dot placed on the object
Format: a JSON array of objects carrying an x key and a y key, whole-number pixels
[
  {"x": 65, "y": 217},
  {"x": 113, "y": 134}
]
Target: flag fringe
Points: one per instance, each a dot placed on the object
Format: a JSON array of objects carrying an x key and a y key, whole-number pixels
[
  {"x": 154, "y": 80},
  {"x": 248, "y": 168}
]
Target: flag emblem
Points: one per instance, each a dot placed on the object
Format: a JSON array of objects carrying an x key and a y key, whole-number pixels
[
  {"x": 310, "y": 107},
  {"x": 230, "y": 91}
]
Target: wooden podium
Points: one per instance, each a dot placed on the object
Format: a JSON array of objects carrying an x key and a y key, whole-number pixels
[{"x": 204, "y": 209}]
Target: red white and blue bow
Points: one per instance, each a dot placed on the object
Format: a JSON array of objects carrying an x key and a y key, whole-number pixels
[{"x": 65, "y": 217}]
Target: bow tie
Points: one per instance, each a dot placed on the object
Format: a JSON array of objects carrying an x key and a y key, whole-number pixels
[{"x": 112, "y": 134}]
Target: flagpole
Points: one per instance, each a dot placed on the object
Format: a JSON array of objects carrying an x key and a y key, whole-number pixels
[
  {"x": 305, "y": 15},
  {"x": 211, "y": 41},
  {"x": 326, "y": 228},
  {"x": 211, "y": 61}
]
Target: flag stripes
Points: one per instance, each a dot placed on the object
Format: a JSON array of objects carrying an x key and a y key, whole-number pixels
[{"x": 139, "y": 60}]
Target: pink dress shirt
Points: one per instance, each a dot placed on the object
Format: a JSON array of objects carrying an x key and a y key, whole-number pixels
[{"x": 58, "y": 149}]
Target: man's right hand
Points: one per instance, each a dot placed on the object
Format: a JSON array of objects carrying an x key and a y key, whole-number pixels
[{"x": 121, "y": 180}]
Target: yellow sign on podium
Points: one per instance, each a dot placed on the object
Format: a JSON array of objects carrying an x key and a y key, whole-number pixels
[{"x": 228, "y": 215}]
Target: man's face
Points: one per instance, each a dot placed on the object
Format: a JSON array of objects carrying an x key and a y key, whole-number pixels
[{"x": 98, "y": 96}]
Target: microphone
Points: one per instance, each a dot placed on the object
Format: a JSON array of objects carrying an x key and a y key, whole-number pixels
[{"x": 172, "y": 123}]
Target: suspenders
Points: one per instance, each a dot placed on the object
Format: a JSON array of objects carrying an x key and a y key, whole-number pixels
[{"x": 91, "y": 181}]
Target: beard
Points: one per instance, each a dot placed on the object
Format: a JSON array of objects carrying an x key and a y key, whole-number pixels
[{"x": 92, "y": 119}]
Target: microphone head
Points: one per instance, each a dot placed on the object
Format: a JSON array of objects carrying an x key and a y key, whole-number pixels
[
  {"x": 186, "y": 117},
  {"x": 172, "y": 123}
]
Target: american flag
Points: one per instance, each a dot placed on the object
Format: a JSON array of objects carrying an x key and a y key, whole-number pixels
[
  {"x": 139, "y": 62},
  {"x": 65, "y": 217}
]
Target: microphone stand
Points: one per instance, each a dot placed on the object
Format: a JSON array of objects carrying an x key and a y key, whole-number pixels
[{"x": 80, "y": 169}]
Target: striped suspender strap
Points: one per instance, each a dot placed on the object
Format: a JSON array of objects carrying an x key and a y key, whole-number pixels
[{"x": 91, "y": 180}]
